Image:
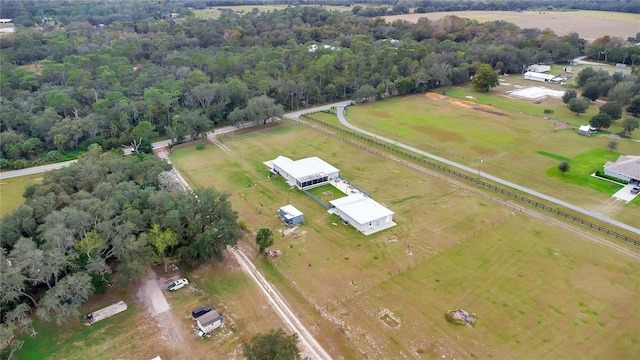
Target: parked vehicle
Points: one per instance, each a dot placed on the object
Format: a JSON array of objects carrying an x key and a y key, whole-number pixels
[
  {"x": 200, "y": 311},
  {"x": 178, "y": 284},
  {"x": 635, "y": 190}
]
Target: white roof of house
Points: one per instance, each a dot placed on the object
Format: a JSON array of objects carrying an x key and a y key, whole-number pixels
[
  {"x": 584, "y": 128},
  {"x": 539, "y": 75},
  {"x": 361, "y": 208},
  {"x": 626, "y": 164},
  {"x": 304, "y": 167},
  {"x": 289, "y": 209}
]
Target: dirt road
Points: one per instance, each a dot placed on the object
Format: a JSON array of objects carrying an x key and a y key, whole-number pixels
[
  {"x": 311, "y": 348},
  {"x": 156, "y": 305}
]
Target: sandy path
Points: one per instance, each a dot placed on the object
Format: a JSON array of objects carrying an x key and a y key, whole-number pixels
[
  {"x": 157, "y": 306},
  {"x": 311, "y": 347}
]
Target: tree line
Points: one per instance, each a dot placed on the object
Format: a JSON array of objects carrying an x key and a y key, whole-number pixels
[
  {"x": 72, "y": 84},
  {"x": 106, "y": 218}
]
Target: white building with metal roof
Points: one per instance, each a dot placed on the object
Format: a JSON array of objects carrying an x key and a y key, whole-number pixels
[
  {"x": 530, "y": 75},
  {"x": 363, "y": 213},
  {"x": 304, "y": 173}
]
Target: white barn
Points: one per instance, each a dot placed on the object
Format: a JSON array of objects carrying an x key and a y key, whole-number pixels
[
  {"x": 539, "y": 68},
  {"x": 535, "y": 76},
  {"x": 304, "y": 173},
  {"x": 627, "y": 168},
  {"x": 363, "y": 213}
]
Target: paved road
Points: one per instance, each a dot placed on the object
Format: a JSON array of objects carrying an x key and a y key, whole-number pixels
[
  {"x": 34, "y": 170},
  {"x": 164, "y": 143},
  {"x": 343, "y": 121}
]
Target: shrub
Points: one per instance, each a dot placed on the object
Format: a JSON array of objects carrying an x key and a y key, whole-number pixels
[
  {"x": 243, "y": 225},
  {"x": 548, "y": 111},
  {"x": 600, "y": 173},
  {"x": 200, "y": 146}
]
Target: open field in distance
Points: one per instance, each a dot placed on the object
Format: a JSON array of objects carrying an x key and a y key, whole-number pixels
[
  {"x": 509, "y": 142},
  {"x": 588, "y": 24}
]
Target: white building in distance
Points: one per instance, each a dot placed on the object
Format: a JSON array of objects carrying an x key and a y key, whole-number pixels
[{"x": 535, "y": 76}]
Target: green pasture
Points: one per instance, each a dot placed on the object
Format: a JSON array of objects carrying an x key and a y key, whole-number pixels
[
  {"x": 537, "y": 290},
  {"x": 511, "y": 150},
  {"x": 496, "y": 97},
  {"x": 11, "y": 191},
  {"x": 427, "y": 211},
  {"x": 116, "y": 337}
]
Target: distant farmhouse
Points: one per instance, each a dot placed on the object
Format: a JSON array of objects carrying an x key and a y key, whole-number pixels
[
  {"x": 363, "y": 213},
  {"x": 356, "y": 209},
  {"x": 539, "y": 68},
  {"x": 536, "y": 76},
  {"x": 586, "y": 130},
  {"x": 304, "y": 173},
  {"x": 626, "y": 168}
]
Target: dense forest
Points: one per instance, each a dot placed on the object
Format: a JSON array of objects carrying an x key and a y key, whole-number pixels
[
  {"x": 111, "y": 73},
  {"x": 106, "y": 218}
]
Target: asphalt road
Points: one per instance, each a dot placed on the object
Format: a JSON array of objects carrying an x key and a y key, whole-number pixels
[
  {"x": 163, "y": 143},
  {"x": 34, "y": 170},
  {"x": 343, "y": 121}
]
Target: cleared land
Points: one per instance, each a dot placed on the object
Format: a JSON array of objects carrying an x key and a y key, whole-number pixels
[
  {"x": 588, "y": 24},
  {"x": 538, "y": 290},
  {"x": 213, "y": 12},
  {"x": 509, "y": 142},
  {"x": 11, "y": 191}
]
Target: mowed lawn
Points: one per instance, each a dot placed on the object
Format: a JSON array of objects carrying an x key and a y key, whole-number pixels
[
  {"x": 443, "y": 126},
  {"x": 11, "y": 191},
  {"x": 538, "y": 291},
  {"x": 461, "y": 126},
  {"x": 427, "y": 211}
]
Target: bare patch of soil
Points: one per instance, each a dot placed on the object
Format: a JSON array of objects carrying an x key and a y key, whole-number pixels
[{"x": 157, "y": 307}]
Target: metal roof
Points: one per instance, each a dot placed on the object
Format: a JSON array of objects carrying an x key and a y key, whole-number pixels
[
  {"x": 361, "y": 208},
  {"x": 289, "y": 209},
  {"x": 299, "y": 169}
]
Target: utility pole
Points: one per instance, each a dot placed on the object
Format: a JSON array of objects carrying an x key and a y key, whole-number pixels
[{"x": 480, "y": 164}]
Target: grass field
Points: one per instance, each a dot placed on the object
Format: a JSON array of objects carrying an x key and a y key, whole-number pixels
[
  {"x": 11, "y": 191},
  {"x": 588, "y": 24},
  {"x": 539, "y": 291},
  {"x": 508, "y": 143}
]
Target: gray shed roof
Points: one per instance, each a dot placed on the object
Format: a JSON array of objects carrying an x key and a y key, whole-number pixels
[{"x": 628, "y": 165}]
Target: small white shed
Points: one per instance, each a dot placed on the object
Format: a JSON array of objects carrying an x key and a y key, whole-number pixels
[{"x": 209, "y": 321}]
